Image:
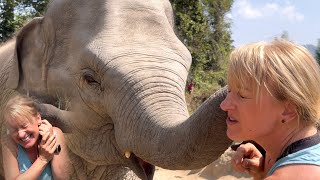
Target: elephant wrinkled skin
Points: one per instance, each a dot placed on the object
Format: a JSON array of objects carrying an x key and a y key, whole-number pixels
[{"x": 119, "y": 72}]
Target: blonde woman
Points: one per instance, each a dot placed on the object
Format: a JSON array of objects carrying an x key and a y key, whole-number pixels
[
  {"x": 274, "y": 100},
  {"x": 30, "y": 149}
]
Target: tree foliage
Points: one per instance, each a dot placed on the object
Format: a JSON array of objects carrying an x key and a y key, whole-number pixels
[
  {"x": 318, "y": 52},
  {"x": 203, "y": 27},
  {"x": 285, "y": 35},
  {"x": 7, "y": 22},
  {"x": 14, "y": 13}
]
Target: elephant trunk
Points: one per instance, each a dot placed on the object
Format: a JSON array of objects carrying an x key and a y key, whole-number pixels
[{"x": 161, "y": 133}]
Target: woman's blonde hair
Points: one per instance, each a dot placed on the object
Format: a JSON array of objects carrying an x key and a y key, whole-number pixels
[
  {"x": 19, "y": 108},
  {"x": 287, "y": 70}
]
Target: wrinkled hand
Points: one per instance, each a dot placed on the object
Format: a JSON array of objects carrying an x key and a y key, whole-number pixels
[
  {"x": 249, "y": 159},
  {"x": 45, "y": 127},
  {"x": 48, "y": 142},
  {"x": 47, "y": 147}
]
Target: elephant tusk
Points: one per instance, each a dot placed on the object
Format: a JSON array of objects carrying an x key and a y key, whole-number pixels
[{"x": 127, "y": 154}]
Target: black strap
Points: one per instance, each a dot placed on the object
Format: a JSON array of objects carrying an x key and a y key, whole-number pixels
[{"x": 301, "y": 144}]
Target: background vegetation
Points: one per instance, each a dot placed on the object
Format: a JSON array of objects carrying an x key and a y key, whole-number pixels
[
  {"x": 14, "y": 13},
  {"x": 201, "y": 25},
  {"x": 204, "y": 28},
  {"x": 318, "y": 52}
]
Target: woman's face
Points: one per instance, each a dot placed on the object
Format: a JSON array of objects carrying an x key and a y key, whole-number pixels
[
  {"x": 24, "y": 131},
  {"x": 251, "y": 117}
]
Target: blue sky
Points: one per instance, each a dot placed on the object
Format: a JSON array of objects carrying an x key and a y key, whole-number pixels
[{"x": 256, "y": 20}]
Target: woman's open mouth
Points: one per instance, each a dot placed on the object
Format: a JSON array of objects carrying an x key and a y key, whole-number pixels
[
  {"x": 26, "y": 139},
  {"x": 231, "y": 121}
]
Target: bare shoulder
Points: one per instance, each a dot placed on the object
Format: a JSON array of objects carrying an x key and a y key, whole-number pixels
[
  {"x": 60, "y": 136},
  {"x": 61, "y": 164},
  {"x": 58, "y": 131},
  {"x": 305, "y": 172}
]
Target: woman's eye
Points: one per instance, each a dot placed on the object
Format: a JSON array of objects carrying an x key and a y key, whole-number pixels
[{"x": 241, "y": 96}]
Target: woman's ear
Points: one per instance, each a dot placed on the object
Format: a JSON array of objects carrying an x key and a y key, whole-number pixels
[{"x": 290, "y": 112}]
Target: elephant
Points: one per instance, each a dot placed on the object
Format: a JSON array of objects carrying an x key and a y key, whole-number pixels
[{"x": 118, "y": 72}]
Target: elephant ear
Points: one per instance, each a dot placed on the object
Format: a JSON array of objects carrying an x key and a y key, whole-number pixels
[{"x": 29, "y": 54}]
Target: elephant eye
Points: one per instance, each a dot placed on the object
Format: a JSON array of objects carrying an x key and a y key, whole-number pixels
[{"x": 89, "y": 79}]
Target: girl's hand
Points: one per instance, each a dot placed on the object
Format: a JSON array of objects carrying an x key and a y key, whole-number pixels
[{"x": 248, "y": 159}]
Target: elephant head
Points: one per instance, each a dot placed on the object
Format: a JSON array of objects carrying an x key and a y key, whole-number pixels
[{"x": 122, "y": 71}]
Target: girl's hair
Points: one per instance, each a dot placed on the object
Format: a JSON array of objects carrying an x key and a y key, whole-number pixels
[
  {"x": 287, "y": 70},
  {"x": 20, "y": 108}
]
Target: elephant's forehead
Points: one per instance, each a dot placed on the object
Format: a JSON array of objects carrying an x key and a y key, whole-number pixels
[
  {"x": 127, "y": 58},
  {"x": 105, "y": 48},
  {"x": 112, "y": 29},
  {"x": 129, "y": 20},
  {"x": 123, "y": 22}
]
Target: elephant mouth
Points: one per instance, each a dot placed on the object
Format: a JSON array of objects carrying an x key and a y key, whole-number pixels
[{"x": 142, "y": 168}]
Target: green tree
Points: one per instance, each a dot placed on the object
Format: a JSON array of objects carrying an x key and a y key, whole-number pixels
[
  {"x": 38, "y": 6},
  {"x": 14, "y": 13},
  {"x": 7, "y": 23},
  {"x": 192, "y": 27},
  {"x": 318, "y": 52},
  {"x": 285, "y": 35},
  {"x": 220, "y": 36},
  {"x": 204, "y": 29}
]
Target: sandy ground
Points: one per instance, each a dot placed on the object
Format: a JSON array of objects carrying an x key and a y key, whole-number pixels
[{"x": 218, "y": 170}]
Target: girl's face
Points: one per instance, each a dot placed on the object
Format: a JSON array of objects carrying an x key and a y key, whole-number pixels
[
  {"x": 251, "y": 117},
  {"x": 24, "y": 131}
]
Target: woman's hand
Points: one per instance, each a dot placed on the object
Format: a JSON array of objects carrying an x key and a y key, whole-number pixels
[
  {"x": 48, "y": 142},
  {"x": 47, "y": 147},
  {"x": 249, "y": 159},
  {"x": 45, "y": 127}
]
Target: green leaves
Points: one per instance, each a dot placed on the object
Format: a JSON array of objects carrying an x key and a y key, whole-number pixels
[
  {"x": 14, "y": 13},
  {"x": 204, "y": 29},
  {"x": 318, "y": 52},
  {"x": 7, "y": 23}
]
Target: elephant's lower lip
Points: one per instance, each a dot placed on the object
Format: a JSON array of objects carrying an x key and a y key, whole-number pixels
[
  {"x": 148, "y": 169},
  {"x": 142, "y": 168}
]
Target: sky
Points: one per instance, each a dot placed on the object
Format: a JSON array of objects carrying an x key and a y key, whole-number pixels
[{"x": 262, "y": 20}]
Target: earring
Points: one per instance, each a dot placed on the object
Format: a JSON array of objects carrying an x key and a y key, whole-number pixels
[{"x": 283, "y": 121}]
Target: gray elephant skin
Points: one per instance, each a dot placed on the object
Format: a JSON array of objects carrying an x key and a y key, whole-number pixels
[{"x": 122, "y": 71}]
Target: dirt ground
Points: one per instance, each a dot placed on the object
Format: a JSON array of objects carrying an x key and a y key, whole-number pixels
[{"x": 218, "y": 170}]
